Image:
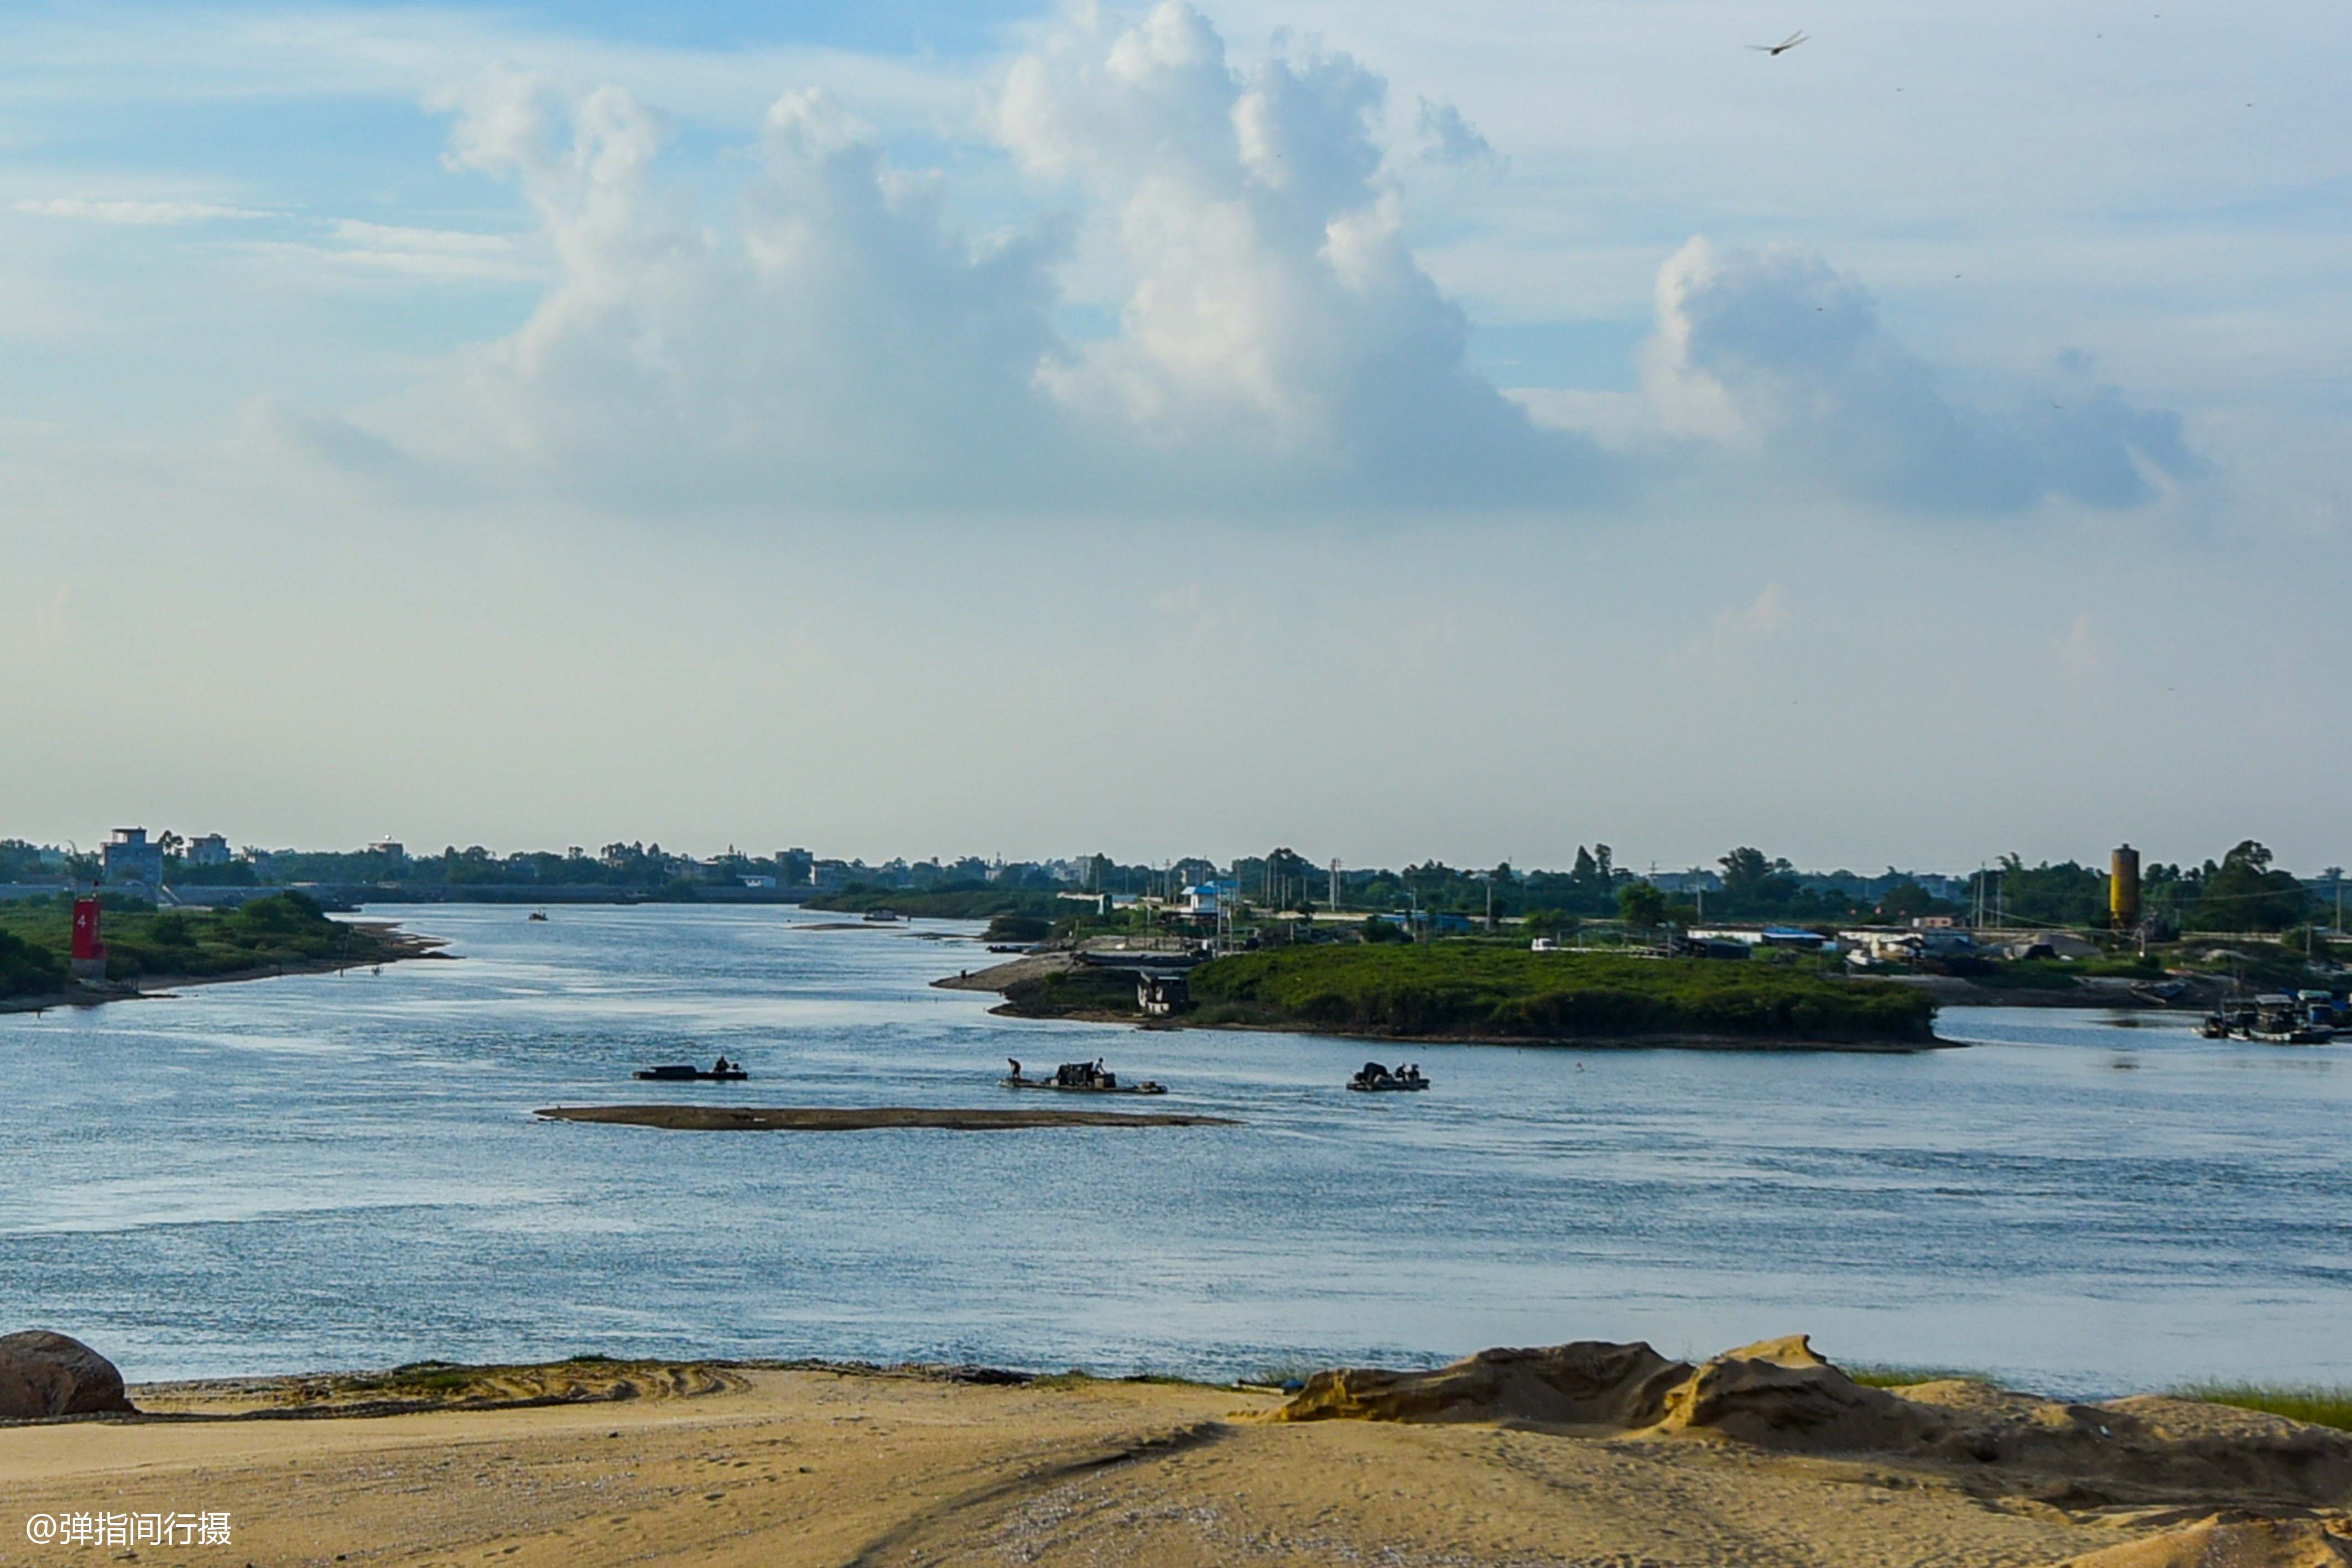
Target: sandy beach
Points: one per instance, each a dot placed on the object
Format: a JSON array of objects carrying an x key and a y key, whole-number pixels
[{"x": 726, "y": 1464}]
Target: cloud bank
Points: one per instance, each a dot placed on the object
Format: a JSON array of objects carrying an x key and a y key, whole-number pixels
[{"x": 846, "y": 338}]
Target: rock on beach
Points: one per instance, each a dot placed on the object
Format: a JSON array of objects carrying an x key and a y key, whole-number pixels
[{"x": 45, "y": 1374}]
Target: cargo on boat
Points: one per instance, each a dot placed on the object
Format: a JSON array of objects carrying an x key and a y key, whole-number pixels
[
  {"x": 1374, "y": 1079},
  {"x": 1082, "y": 1078}
]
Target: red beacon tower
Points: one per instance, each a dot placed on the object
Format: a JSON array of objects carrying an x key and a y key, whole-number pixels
[{"x": 88, "y": 951}]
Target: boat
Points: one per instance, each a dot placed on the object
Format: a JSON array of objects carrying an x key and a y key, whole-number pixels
[
  {"x": 537, "y": 916},
  {"x": 882, "y": 916},
  {"x": 724, "y": 1072},
  {"x": 2281, "y": 1019},
  {"x": 1081, "y": 1077},
  {"x": 1374, "y": 1079}
]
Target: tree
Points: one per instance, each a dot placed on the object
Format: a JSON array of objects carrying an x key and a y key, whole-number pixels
[
  {"x": 1752, "y": 880},
  {"x": 1550, "y": 923},
  {"x": 1640, "y": 904},
  {"x": 2243, "y": 893},
  {"x": 1906, "y": 900}
]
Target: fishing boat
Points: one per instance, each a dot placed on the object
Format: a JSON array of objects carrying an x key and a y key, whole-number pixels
[
  {"x": 1374, "y": 1079},
  {"x": 2281, "y": 1019},
  {"x": 724, "y": 1071},
  {"x": 537, "y": 916},
  {"x": 1080, "y": 1078}
]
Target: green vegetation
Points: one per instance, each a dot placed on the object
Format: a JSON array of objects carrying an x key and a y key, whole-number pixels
[
  {"x": 1874, "y": 1376},
  {"x": 2322, "y": 1406},
  {"x": 27, "y": 969},
  {"x": 285, "y": 930},
  {"x": 1485, "y": 989},
  {"x": 971, "y": 903},
  {"x": 1073, "y": 993},
  {"x": 1019, "y": 928},
  {"x": 420, "y": 1378}
]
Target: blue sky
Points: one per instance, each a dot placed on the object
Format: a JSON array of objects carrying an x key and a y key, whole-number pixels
[{"x": 1470, "y": 431}]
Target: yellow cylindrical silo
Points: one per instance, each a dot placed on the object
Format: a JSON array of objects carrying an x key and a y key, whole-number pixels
[{"x": 2123, "y": 888}]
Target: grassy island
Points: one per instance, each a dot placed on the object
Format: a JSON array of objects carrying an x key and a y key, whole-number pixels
[
  {"x": 1492, "y": 991},
  {"x": 284, "y": 932}
]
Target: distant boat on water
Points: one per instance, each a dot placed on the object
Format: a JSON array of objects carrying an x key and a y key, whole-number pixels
[
  {"x": 2273, "y": 1018},
  {"x": 538, "y": 915},
  {"x": 720, "y": 1071}
]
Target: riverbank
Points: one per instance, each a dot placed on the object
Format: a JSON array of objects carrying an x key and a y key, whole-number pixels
[
  {"x": 384, "y": 942},
  {"x": 1510, "y": 1456}
]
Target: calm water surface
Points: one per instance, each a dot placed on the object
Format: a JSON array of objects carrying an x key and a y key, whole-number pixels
[{"x": 343, "y": 1172}]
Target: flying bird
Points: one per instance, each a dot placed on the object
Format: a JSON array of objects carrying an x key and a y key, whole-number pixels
[{"x": 1783, "y": 46}]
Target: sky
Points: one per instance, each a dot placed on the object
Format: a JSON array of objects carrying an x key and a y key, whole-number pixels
[{"x": 1386, "y": 430}]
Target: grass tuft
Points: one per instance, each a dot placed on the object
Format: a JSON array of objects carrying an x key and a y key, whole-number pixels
[
  {"x": 1910, "y": 1376},
  {"x": 2322, "y": 1406}
]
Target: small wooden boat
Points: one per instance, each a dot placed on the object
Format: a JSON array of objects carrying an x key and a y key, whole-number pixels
[
  {"x": 1080, "y": 1078},
  {"x": 1374, "y": 1079},
  {"x": 686, "y": 1072}
]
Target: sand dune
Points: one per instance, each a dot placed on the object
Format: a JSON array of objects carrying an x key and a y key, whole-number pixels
[
  {"x": 2233, "y": 1542},
  {"x": 1582, "y": 1455},
  {"x": 1780, "y": 1395}
]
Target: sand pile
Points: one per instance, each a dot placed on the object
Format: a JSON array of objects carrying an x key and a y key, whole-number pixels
[
  {"x": 1780, "y": 1395},
  {"x": 2233, "y": 1541},
  {"x": 1588, "y": 1384}
]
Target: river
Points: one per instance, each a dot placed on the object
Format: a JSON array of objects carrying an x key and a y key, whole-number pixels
[{"x": 342, "y": 1171}]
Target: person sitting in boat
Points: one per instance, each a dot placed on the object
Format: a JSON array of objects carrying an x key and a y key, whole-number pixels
[{"x": 722, "y": 1065}]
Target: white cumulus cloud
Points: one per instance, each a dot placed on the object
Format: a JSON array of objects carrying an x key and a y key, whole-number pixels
[
  {"x": 1775, "y": 352},
  {"x": 827, "y": 329},
  {"x": 836, "y": 338}
]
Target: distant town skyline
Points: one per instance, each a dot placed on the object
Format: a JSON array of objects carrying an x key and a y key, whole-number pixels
[
  {"x": 149, "y": 846},
  {"x": 1466, "y": 430}
]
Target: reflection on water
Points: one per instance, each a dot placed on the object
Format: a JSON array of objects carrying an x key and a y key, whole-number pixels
[{"x": 332, "y": 1171}]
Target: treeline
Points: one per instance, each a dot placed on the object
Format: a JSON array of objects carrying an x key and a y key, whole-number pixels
[{"x": 2243, "y": 891}]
